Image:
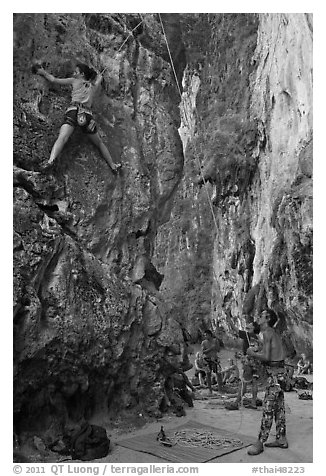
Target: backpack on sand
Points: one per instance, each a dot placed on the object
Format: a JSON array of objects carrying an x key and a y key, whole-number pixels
[{"x": 89, "y": 442}]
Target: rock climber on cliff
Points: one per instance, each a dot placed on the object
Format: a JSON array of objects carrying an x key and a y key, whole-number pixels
[{"x": 85, "y": 82}]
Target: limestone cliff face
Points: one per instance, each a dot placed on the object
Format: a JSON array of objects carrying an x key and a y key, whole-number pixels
[
  {"x": 240, "y": 236},
  {"x": 90, "y": 327},
  {"x": 93, "y": 316},
  {"x": 282, "y": 97}
]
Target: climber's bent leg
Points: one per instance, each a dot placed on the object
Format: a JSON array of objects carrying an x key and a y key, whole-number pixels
[
  {"x": 95, "y": 138},
  {"x": 65, "y": 132}
]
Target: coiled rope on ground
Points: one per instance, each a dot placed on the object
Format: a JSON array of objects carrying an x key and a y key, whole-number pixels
[{"x": 194, "y": 438}]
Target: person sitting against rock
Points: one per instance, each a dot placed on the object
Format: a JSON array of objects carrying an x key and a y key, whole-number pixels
[
  {"x": 231, "y": 373},
  {"x": 181, "y": 385},
  {"x": 176, "y": 388},
  {"x": 85, "y": 83},
  {"x": 200, "y": 369},
  {"x": 303, "y": 365}
]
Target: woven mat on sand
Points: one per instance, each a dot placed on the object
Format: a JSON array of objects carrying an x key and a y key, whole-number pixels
[{"x": 193, "y": 442}]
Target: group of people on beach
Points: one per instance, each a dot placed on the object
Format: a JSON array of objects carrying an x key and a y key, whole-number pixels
[{"x": 260, "y": 353}]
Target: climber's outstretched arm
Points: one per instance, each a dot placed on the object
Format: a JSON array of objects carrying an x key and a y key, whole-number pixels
[{"x": 52, "y": 79}]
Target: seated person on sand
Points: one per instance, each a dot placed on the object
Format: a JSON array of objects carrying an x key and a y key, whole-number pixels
[
  {"x": 200, "y": 368},
  {"x": 303, "y": 365},
  {"x": 231, "y": 373}
]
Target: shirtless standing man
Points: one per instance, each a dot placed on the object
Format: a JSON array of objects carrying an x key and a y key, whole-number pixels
[
  {"x": 210, "y": 347},
  {"x": 272, "y": 355}
]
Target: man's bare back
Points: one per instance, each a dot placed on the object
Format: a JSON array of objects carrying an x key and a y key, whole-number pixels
[
  {"x": 272, "y": 350},
  {"x": 273, "y": 342}
]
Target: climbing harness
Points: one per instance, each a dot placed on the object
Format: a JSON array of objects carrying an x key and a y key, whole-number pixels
[
  {"x": 81, "y": 118},
  {"x": 194, "y": 438},
  {"x": 80, "y": 107},
  {"x": 84, "y": 116}
]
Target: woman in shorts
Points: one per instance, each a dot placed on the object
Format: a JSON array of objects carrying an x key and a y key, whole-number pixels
[{"x": 85, "y": 82}]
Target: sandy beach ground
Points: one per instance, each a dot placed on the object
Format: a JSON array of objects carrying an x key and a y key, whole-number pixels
[{"x": 211, "y": 411}]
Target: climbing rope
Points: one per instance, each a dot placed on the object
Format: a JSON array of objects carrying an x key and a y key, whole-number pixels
[
  {"x": 170, "y": 56},
  {"x": 194, "y": 438},
  {"x": 180, "y": 93},
  {"x": 188, "y": 124},
  {"x": 131, "y": 33},
  {"x": 203, "y": 438},
  {"x": 125, "y": 41},
  {"x": 247, "y": 336}
]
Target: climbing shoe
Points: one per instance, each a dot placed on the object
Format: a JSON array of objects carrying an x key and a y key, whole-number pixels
[
  {"x": 256, "y": 449},
  {"x": 280, "y": 443},
  {"x": 48, "y": 168},
  {"x": 117, "y": 168}
]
